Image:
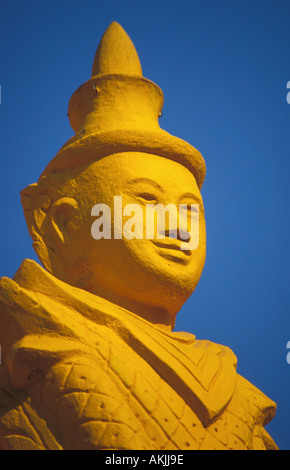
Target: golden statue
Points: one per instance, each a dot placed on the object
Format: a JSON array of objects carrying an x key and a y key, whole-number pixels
[{"x": 89, "y": 356}]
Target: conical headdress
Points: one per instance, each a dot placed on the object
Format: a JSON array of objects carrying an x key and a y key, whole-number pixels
[{"x": 117, "y": 110}]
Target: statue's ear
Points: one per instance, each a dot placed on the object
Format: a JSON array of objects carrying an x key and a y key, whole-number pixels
[
  {"x": 60, "y": 220},
  {"x": 48, "y": 220}
]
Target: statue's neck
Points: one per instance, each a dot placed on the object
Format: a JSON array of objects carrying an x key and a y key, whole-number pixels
[{"x": 155, "y": 315}]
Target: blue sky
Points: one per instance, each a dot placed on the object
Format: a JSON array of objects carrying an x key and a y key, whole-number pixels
[{"x": 223, "y": 68}]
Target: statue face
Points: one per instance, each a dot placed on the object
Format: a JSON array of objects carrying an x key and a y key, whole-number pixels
[{"x": 155, "y": 272}]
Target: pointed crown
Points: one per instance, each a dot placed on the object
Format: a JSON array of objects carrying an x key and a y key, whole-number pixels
[{"x": 117, "y": 110}]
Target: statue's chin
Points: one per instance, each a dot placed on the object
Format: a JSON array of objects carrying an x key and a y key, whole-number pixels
[{"x": 165, "y": 296}]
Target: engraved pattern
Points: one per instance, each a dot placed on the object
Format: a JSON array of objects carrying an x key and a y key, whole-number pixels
[
  {"x": 108, "y": 406},
  {"x": 104, "y": 379}
]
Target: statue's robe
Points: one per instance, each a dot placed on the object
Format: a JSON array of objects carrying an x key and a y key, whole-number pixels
[{"x": 78, "y": 372}]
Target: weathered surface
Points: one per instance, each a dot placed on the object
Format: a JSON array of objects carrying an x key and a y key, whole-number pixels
[{"x": 89, "y": 356}]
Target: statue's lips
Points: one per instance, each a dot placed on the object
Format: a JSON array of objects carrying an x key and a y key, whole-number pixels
[{"x": 173, "y": 248}]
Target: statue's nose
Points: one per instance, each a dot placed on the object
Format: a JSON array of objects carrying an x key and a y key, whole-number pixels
[{"x": 182, "y": 235}]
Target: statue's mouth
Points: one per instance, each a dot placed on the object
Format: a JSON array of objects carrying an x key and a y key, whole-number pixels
[
  {"x": 171, "y": 249},
  {"x": 170, "y": 245}
]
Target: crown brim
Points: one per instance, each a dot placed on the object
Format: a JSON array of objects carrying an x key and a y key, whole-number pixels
[{"x": 79, "y": 151}]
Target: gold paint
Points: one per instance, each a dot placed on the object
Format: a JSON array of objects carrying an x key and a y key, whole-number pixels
[{"x": 90, "y": 358}]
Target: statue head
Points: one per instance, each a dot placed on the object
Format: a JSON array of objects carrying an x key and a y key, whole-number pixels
[{"x": 119, "y": 156}]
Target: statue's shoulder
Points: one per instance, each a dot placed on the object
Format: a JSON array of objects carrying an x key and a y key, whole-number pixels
[
  {"x": 249, "y": 410},
  {"x": 255, "y": 408}
]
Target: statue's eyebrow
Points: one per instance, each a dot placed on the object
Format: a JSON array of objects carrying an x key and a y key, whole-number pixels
[
  {"x": 193, "y": 196},
  {"x": 137, "y": 181}
]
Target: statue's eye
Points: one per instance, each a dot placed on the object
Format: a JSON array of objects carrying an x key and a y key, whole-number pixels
[
  {"x": 189, "y": 207},
  {"x": 149, "y": 197}
]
